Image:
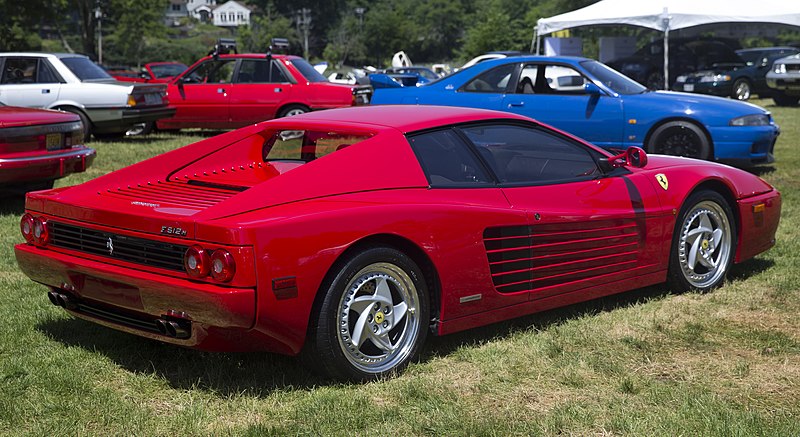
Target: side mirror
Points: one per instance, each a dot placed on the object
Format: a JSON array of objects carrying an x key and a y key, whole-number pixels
[
  {"x": 591, "y": 88},
  {"x": 631, "y": 157}
]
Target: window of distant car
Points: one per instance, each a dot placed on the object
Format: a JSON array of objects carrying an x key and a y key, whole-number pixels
[
  {"x": 307, "y": 70},
  {"x": 491, "y": 81},
  {"x": 167, "y": 70},
  {"x": 617, "y": 82},
  {"x": 85, "y": 69},
  {"x": 261, "y": 71},
  {"x": 28, "y": 70},
  {"x": 212, "y": 71},
  {"x": 522, "y": 155},
  {"x": 448, "y": 161},
  {"x": 306, "y": 146},
  {"x": 550, "y": 79}
]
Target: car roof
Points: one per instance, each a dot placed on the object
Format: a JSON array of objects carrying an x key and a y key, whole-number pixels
[
  {"x": 405, "y": 118},
  {"x": 32, "y": 54}
]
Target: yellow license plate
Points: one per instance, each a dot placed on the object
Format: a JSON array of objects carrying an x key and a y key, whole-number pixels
[{"x": 54, "y": 142}]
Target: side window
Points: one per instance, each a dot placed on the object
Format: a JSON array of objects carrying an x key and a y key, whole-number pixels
[
  {"x": 527, "y": 155},
  {"x": 19, "y": 70},
  {"x": 260, "y": 71},
  {"x": 447, "y": 161},
  {"x": 492, "y": 81},
  {"x": 219, "y": 71},
  {"x": 563, "y": 80},
  {"x": 527, "y": 79},
  {"x": 46, "y": 73}
]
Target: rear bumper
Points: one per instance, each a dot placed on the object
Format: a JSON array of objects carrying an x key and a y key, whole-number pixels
[
  {"x": 45, "y": 166},
  {"x": 132, "y": 300},
  {"x": 121, "y": 120}
]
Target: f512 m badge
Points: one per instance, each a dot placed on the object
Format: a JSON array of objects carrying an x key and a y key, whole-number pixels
[{"x": 171, "y": 230}]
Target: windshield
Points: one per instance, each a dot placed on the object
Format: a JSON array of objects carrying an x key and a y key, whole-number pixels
[
  {"x": 618, "y": 82},
  {"x": 85, "y": 69},
  {"x": 167, "y": 70},
  {"x": 307, "y": 70}
]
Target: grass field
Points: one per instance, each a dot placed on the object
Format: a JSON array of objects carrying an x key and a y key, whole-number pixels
[{"x": 647, "y": 362}]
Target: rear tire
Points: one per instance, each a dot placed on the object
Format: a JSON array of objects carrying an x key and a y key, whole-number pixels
[
  {"x": 680, "y": 138},
  {"x": 293, "y": 110},
  {"x": 87, "y": 125},
  {"x": 373, "y": 318},
  {"x": 703, "y": 243}
]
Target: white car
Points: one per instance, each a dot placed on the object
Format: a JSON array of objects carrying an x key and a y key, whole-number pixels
[
  {"x": 784, "y": 78},
  {"x": 74, "y": 83}
]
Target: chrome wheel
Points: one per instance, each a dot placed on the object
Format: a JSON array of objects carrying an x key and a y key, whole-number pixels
[
  {"x": 705, "y": 244},
  {"x": 295, "y": 111},
  {"x": 377, "y": 322},
  {"x": 741, "y": 89}
]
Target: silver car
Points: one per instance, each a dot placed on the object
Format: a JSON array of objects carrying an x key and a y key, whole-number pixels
[
  {"x": 785, "y": 79},
  {"x": 74, "y": 83}
]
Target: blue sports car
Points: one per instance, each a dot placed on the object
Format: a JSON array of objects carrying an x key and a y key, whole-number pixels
[{"x": 592, "y": 101}]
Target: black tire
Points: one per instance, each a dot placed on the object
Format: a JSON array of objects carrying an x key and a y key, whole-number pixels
[
  {"x": 290, "y": 110},
  {"x": 742, "y": 90},
  {"x": 680, "y": 138},
  {"x": 782, "y": 99},
  {"x": 352, "y": 340},
  {"x": 139, "y": 129},
  {"x": 655, "y": 80},
  {"x": 87, "y": 125},
  {"x": 109, "y": 136},
  {"x": 703, "y": 243}
]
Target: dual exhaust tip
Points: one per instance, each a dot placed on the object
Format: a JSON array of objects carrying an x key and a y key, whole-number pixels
[{"x": 168, "y": 326}]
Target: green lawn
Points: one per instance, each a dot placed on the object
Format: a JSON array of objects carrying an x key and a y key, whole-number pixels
[{"x": 643, "y": 363}]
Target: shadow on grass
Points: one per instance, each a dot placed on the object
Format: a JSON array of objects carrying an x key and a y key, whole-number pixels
[
  {"x": 259, "y": 374},
  {"x": 761, "y": 170},
  {"x": 12, "y": 204}
]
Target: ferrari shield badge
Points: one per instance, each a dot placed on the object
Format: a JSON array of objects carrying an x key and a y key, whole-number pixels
[{"x": 662, "y": 180}]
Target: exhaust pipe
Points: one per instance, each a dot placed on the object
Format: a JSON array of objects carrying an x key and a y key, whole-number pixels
[
  {"x": 62, "y": 300},
  {"x": 180, "y": 329}
]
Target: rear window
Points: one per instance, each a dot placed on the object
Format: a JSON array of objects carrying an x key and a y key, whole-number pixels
[
  {"x": 307, "y": 70},
  {"x": 85, "y": 69},
  {"x": 306, "y": 146}
]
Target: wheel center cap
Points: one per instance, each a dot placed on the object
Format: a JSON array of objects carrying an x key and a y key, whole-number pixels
[
  {"x": 379, "y": 317},
  {"x": 705, "y": 244}
]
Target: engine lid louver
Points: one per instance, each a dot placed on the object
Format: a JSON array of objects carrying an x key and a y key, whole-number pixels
[{"x": 181, "y": 193}]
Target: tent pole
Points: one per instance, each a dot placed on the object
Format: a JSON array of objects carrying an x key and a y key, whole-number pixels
[{"x": 666, "y": 59}]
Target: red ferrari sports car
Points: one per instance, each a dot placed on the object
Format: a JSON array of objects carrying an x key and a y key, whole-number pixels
[
  {"x": 348, "y": 235},
  {"x": 38, "y": 146}
]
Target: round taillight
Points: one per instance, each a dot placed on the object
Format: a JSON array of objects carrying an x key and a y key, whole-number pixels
[
  {"x": 222, "y": 265},
  {"x": 196, "y": 262},
  {"x": 40, "y": 234},
  {"x": 26, "y": 227}
]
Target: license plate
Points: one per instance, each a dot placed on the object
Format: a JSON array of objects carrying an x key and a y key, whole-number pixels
[
  {"x": 152, "y": 99},
  {"x": 688, "y": 87},
  {"x": 54, "y": 142}
]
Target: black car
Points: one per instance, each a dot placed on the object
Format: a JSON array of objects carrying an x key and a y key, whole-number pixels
[
  {"x": 738, "y": 80},
  {"x": 686, "y": 55}
]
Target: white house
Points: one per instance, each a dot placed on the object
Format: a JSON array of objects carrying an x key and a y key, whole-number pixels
[
  {"x": 200, "y": 9},
  {"x": 231, "y": 14}
]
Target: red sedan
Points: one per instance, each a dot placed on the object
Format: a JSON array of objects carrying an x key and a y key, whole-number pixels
[
  {"x": 349, "y": 235},
  {"x": 235, "y": 90},
  {"x": 38, "y": 146}
]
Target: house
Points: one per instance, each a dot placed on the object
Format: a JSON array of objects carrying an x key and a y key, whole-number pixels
[
  {"x": 201, "y": 9},
  {"x": 176, "y": 9},
  {"x": 231, "y": 14}
]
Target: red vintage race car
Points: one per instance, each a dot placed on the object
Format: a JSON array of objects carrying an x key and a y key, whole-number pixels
[
  {"x": 350, "y": 234},
  {"x": 230, "y": 91},
  {"x": 38, "y": 146}
]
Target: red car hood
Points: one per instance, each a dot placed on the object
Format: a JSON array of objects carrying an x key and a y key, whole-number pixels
[{"x": 11, "y": 116}]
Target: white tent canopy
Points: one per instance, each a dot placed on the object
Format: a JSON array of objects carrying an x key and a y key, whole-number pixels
[{"x": 666, "y": 15}]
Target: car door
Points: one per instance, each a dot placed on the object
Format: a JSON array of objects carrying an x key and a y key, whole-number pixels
[
  {"x": 555, "y": 94},
  {"x": 584, "y": 229},
  {"x": 29, "y": 82},
  {"x": 202, "y": 96},
  {"x": 485, "y": 90},
  {"x": 260, "y": 89}
]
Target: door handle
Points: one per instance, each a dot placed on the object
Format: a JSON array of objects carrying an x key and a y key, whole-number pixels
[
  {"x": 516, "y": 104},
  {"x": 45, "y": 91},
  {"x": 220, "y": 90},
  {"x": 278, "y": 90}
]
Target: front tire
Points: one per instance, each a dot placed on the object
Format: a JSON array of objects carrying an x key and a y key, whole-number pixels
[
  {"x": 741, "y": 89},
  {"x": 703, "y": 244},
  {"x": 680, "y": 138},
  {"x": 373, "y": 318}
]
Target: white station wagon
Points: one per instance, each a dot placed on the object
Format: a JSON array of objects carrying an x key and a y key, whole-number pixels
[{"x": 74, "y": 83}]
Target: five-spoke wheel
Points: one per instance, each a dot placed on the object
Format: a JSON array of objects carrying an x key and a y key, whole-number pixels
[
  {"x": 703, "y": 244},
  {"x": 373, "y": 318}
]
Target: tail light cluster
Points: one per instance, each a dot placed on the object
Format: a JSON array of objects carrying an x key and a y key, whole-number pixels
[
  {"x": 34, "y": 229},
  {"x": 200, "y": 262}
]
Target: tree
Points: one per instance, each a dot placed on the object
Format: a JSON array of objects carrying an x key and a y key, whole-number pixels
[
  {"x": 20, "y": 22},
  {"x": 135, "y": 22}
]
